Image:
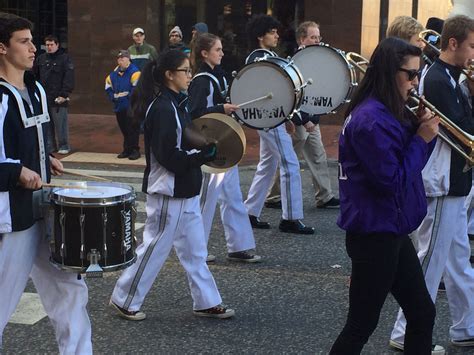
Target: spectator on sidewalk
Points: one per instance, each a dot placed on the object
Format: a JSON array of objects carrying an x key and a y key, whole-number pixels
[
  {"x": 119, "y": 85},
  {"x": 176, "y": 40},
  {"x": 141, "y": 52},
  {"x": 55, "y": 71}
]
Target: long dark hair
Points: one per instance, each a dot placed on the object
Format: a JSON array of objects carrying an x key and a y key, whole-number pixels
[
  {"x": 152, "y": 80},
  {"x": 204, "y": 42},
  {"x": 379, "y": 80}
]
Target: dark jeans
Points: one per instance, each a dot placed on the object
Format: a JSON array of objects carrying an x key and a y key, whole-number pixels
[
  {"x": 130, "y": 131},
  {"x": 383, "y": 263}
]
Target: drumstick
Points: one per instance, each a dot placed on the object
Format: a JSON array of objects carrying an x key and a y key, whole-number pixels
[
  {"x": 63, "y": 186},
  {"x": 267, "y": 96},
  {"x": 93, "y": 177}
]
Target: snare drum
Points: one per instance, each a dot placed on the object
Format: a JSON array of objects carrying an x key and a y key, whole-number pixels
[
  {"x": 93, "y": 226},
  {"x": 272, "y": 75},
  {"x": 333, "y": 78}
]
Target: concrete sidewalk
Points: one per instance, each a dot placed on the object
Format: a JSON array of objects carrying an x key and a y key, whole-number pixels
[{"x": 101, "y": 134}]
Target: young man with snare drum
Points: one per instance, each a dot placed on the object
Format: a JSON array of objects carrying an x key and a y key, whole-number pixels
[
  {"x": 24, "y": 167},
  {"x": 276, "y": 148}
]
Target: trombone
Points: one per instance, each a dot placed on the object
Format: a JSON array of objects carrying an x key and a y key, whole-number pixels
[
  {"x": 423, "y": 34},
  {"x": 462, "y": 142}
]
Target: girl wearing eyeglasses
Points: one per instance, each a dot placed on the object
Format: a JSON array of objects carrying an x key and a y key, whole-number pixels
[
  {"x": 207, "y": 93},
  {"x": 172, "y": 182},
  {"x": 382, "y": 151}
]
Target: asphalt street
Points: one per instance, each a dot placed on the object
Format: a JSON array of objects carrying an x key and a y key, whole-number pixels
[{"x": 294, "y": 302}]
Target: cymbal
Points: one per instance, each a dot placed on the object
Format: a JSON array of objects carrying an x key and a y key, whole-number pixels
[{"x": 229, "y": 137}]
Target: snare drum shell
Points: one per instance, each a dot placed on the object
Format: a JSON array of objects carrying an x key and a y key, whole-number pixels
[{"x": 113, "y": 207}]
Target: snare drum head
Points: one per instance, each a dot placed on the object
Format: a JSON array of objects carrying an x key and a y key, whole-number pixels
[
  {"x": 257, "y": 80},
  {"x": 333, "y": 78},
  {"x": 91, "y": 192}
]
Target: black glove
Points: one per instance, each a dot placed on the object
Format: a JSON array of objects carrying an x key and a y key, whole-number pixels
[{"x": 208, "y": 153}]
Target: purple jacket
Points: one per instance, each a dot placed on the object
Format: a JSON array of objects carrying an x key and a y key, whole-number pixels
[{"x": 380, "y": 163}]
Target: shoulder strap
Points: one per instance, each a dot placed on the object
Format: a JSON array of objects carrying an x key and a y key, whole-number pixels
[
  {"x": 37, "y": 121},
  {"x": 223, "y": 93},
  {"x": 266, "y": 53}
]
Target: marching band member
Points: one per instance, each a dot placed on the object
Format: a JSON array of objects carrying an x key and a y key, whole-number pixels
[
  {"x": 207, "y": 93},
  {"x": 382, "y": 152},
  {"x": 444, "y": 248},
  {"x": 275, "y": 148},
  {"x": 24, "y": 167},
  {"x": 172, "y": 182},
  {"x": 307, "y": 139},
  {"x": 408, "y": 29}
]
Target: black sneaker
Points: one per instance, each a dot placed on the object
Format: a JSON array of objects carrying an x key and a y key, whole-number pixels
[
  {"x": 244, "y": 257},
  {"x": 123, "y": 155},
  {"x": 295, "y": 226},
  {"x": 463, "y": 343},
  {"x": 273, "y": 204},
  {"x": 257, "y": 223},
  {"x": 219, "y": 311},
  {"x": 134, "y": 155},
  {"x": 332, "y": 203}
]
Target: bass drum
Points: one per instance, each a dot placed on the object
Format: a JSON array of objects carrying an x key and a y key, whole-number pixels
[
  {"x": 333, "y": 78},
  {"x": 272, "y": 75}
]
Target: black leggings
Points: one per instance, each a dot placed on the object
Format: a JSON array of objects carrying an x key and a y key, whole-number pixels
[{"x": 383, "y": 263}]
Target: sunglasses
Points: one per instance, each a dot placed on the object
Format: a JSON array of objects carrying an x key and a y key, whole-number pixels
[{"x": 412, "y": 73}]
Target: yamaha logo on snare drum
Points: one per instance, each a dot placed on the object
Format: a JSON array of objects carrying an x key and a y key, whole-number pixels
[
  {"x": 324, "y": 101},
  {"x": 255, "y": 113},
  {"x": 128, "y": 229}
]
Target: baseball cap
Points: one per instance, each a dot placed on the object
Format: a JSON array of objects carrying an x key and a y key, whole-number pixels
[
  {"x": 138, "y": 30},
  {"x": 123, "y": 54}
]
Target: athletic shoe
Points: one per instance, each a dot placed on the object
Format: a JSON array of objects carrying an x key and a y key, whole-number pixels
[
  {"x": 463, "y": 343},
  {"x": 435, "y": 349},
  {"x": 210, "y": 258},
  {"x": 332, "y": 203},
  {"x": 244, "y": 257},
  {"x": 63, "y": 151},
  {"x": 257, "y": 223},
  {"x": 296, "y": 226},
  {"x": 273, "y": 204},
  {"x": 129, "y": 315},
  {"x": 219, "y": 311}
]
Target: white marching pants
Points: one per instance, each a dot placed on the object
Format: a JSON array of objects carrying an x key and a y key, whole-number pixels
[
  {"x": 225, "y": 189},
  {"x": 64, "y": 297},
  {"x": 276, "y": 148},
  {"x": 444, "y": 252},
  {"x": 470, "y": 211},
  {"x": 170, "y": 222}
]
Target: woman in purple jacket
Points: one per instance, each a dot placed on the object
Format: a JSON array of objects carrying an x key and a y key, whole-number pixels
[{"x": 382, "y": 150}]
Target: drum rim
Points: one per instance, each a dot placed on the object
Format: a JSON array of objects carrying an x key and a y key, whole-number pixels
[
  {"x": 352, "y": 76},
  {"x": 298, "y": 95},
  {"x": 62, "y": 200},
  {"x": 83, "y": 269}
]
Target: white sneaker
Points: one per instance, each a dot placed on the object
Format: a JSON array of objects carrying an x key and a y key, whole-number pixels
[
  {"x": 129, "y": 315},
  {"x": 210, "y": 258},
  {"x": 63, "y": 151},
  {"x": 435, "y": 349}
]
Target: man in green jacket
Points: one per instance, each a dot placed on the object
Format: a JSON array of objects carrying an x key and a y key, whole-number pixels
[{"x": 141, "y": 52}]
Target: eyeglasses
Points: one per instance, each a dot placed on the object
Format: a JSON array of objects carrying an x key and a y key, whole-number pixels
[
  {"x": 318, "y": 38},
  {"x": 188, "y": 71},
  {"x": 412, "y": 73}
]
